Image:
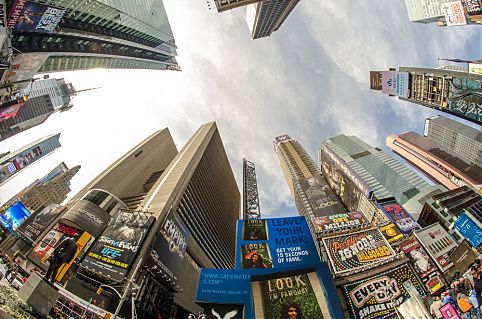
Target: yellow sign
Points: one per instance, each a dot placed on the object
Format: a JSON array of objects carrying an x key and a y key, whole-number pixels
[{"x": 83, "y": 240}]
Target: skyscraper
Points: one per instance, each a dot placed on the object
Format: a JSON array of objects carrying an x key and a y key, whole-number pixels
[
  {"x": 223, "y": 5},
  {"x": 77, "y": 35},
  {"x": 12, "y": 163},
  {"x": 193, "y": 192},
  {"x": 454, "y": 92},
  {"x": 386, "y": 176},
  {"x": 443, "y": 12},
  {"x": 266, "y": 17}
]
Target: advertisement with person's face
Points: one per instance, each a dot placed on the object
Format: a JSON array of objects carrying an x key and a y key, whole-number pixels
[
  {"x": 38, "y": 222},
  {"x": 421, "y": 261}
]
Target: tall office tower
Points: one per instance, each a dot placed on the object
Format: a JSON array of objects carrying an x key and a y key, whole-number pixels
[
  {"x": 266, "y": 17},
  {"x": 312, "y": 194},
  {"x": 444, "y": 13},
  {"x": 441, "y": 165},
  {"x": 12, "y": 163},
  {"x": 45, "y": 97},
  {"x": 447, "y": 206},
  {"x": 77, "y": 35},
  {"x": 224, "y": 5},
  {"x": 454, "y": 92},
  {"x": 193, "y": 193},
  {"x": 386, "y": 176}
]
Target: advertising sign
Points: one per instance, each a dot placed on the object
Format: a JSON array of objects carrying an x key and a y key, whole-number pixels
[
  {"x": 289, "y": 244},
  {"x": 38, "y": 222},
  {"x": 287, "y": 295},
  {"x": 454, "y": 13},
  {"x": 339, "y": 222},
  {"x": 463, "y": 257},
  {"x": 448, "y": 311},
  {"x": 88, "y": 216},
  {"x": 377, "y": 296},
  {"x": 472, "y": 6},
  {"x": 464, "y": 99},
  {"x": 376, "y": 80},
  {"x": 395, "y": 83},
  {"x": 321, "y": 197},
  {"x": 14, "y": 216},
  {"x": 402, "y": 219},
  {"x": 39, "y": 17},
  {"x": 420, "y": 260},
  {"x": 282, "y": 138},
  {"x": 391, "y": 233},
  {"x": 469, "y": 229},
  {"x": 216, "y": 311},
  {"x": 356, "y": 251},
  {"x": 169, "y": 249},
  {"x": 15, "y": 12},
  {"x": 10, "y": 111},
  {"x": 224, "y": 285},
  {"x": 114, "y": 251},
  {"x": 255, "y": 229},
  {"x": 3, "y": 22},
  {"x": 438, "y": 243}
]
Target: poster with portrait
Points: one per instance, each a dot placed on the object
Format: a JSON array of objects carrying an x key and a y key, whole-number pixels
[
  {"x": 419, "y": 258},
  {"x": 338, "y": 222},
  {"x": 355, "y": 251},
  {"x": 114, "y": 251},
  {"x": 376, "y": 296},
  {"x": 321, "y": 197},
  {"x": 405, "y": 223},
  {"x": 256, "y": 256},
  {"x": 38, "y": 222},
  {"x": 290, "y": 297},
  {"x": 255, "y": 229},
  {"x": 39, "y": 17}
]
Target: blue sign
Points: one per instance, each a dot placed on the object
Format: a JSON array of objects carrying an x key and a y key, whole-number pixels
[
  {"x": 39, "y": 17},
  {"x": 14, "y": 216},
  {"x": 224, "y": 286},
  {"x": 284, "y": 243},
  {"x": 469, "y": 229}
]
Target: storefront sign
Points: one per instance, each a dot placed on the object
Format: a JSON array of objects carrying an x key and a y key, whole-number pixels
[
  {"x": 333, "y": 223},
  {"x": 114, "y": 251},
  {"x": 376, "y": 297},
  {"x": 395, "y": 83},
  {"x": 438, "y": 242},
  {"x": 356, "y": 251}
]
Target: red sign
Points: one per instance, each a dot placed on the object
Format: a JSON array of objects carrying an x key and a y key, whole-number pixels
[{"x": 10, "y": 111}]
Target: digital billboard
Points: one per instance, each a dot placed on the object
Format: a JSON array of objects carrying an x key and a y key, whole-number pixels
[
  {"x": 439, "y": 243},
  {"x": 114, "y": 251},
  {"x": 39, "y": 17},
  {"x": 356, "y": 251},
  {"x": 334, "y": 223},
  {"x": 377, "y": 296},
  {"x": 469, "y": 229},
  {"x": 38, "y": 222},
  {"x": 321, "y": 197},
  {"x": 395, "y": 83},
  {"x": 167, "y": 253},
  {"x": 12, "y": 217},
  {"x": 405, "y": 223},
  {"x": 289, "y": 244},
  {"x": 10, "y": 111}
]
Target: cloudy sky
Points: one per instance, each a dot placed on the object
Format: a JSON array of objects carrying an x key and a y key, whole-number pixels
[{"x": 308, "y": 80}]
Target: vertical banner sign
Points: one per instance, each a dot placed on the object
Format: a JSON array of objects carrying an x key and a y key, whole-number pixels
[
  {"x": 402, "y": 219},
  {"x": 115, "y": 250},
  {"x": 169, "y": 249},
  {"x": 321, "y": 197},
  {"x": 438, "y": 242},
  {"x": 38, "y": 222},
  {"x": 395, "y": 83},
  {"x": 377, "y": 296},
  {"x": 39, "y": 17},
  {"x": 356, "y": 251},
  {"x": 469, "y": 229},
  {"x": 288, "y": 295}
]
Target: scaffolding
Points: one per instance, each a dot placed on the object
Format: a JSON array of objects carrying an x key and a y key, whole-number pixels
[{"x": 250, "y": 191}]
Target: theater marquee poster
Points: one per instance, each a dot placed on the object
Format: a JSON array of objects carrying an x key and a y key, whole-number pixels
[
  {"x": 376, "y": 296},
  {"x": 355, "y": 251}
]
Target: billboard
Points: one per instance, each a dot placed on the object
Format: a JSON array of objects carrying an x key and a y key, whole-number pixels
[
  {"x": 88, "y": 216},
  {"x": 395, "y": 83},
  {"x": 391, "y": 233},
  {"x": 464, "y": 99},
  {"x": 377, "y": 296},
  {"x": 255, "y": 229},
  {"x": 333, "y": 223},
  {"x": 472, "y": 6},
  {"x": 289, "y": 295},
  {"x": 469, "y": 229},
  {"x": 376, "y": 80},
  {"x": 321, "y": 197},
  {"x": 39, "y": 17},
  {"x": 10, "y": 111},
  {"x": 289, "y": 244},
  {"x": 405, "y": 223},
  {"x": 463, "y": 257},
  {"x": 357, "y": 251},
  {"x": 114, "y": 251},
  {"x": 337, "y": 164},
  {"x": 14, "y": 12},
  {"x": 454, "y": 13},
  {"x": 12, "y": 217},
  {"x": 38, "y": 222},
  {"x": 439, "y": 243},
  {"x": 168, "y": 251}
]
